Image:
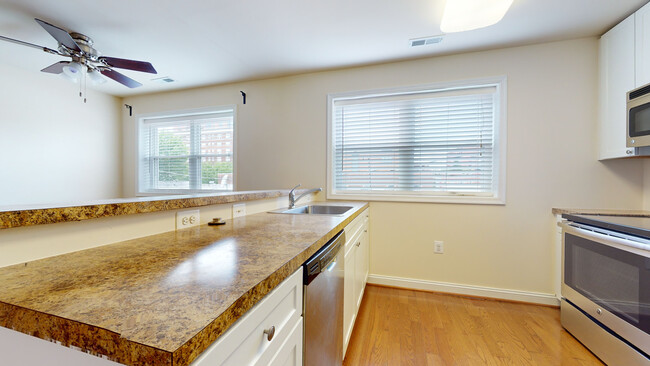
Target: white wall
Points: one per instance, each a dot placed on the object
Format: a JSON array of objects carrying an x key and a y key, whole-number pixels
[
  {"x": 552, "y": 159},
  {"x": 53, "y": 147}
]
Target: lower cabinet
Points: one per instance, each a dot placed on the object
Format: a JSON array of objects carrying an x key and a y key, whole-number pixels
[
  {"x": 357, "y": 248},
  {"x": 269, "y": 334}
]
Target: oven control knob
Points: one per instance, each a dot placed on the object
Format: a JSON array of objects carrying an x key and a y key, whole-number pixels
[
  {"x": 598, "y": 311},
  {"x": 629, "y": 152}
]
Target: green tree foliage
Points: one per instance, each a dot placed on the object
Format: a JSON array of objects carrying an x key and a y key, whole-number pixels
[
  {"x": 210, "y": 171},
  {"x": 174, "y": 169}
]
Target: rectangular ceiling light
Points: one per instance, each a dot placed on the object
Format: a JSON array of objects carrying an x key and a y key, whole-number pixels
[{"x": 465, "y": 15}]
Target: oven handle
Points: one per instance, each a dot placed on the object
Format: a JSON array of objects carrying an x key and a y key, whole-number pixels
[{"x": 612, "y": 241}]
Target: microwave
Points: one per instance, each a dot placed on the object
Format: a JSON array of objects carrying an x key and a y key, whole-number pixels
[{"x": 638, "y": 117}]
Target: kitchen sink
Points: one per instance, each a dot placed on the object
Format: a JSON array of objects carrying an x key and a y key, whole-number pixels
[{"x": 315, "y": 210}]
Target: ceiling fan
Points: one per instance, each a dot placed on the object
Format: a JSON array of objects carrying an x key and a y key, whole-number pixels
[{"x": 85, "y": 58}]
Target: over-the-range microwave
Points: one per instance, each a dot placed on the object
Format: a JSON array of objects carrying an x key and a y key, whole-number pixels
[{"x": 638, "y": 117}]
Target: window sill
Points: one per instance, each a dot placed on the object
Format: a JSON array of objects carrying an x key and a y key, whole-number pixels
[{"x": 473, "y": 200}]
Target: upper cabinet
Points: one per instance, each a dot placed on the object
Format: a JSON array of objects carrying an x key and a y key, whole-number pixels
[
  {"x": 642, "y": 45},
  {"x": 624, "y": 64}
]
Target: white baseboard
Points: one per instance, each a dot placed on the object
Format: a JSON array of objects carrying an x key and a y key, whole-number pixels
[{"x": 495, "y": 293}]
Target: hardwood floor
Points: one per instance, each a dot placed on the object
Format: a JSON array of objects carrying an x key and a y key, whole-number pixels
[{"x": 404, "y": 327}]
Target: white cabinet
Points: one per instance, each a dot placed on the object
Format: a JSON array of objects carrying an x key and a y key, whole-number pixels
[
  {"x": 642, "y": 46},
  {"x": 268, "y": 334},
  {"x": 357, "y": 249},
  {"x": 624, "y": 64},
  {"x": 616, "y": 69}
]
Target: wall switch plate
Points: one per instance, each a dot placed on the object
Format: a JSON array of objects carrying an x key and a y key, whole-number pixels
[
  {"x": 439, "y": 247},
  {"x": 185, "y": 219},
  {"x": 238, "y": 210}
]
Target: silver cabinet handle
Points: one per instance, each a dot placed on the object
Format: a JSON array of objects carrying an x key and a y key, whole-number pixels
[{"x": 269, "y": 333}]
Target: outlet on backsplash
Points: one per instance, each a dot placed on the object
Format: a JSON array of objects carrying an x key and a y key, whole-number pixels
[{"x": 189, "y": 218}]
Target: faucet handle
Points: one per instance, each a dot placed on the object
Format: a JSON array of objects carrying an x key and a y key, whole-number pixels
[{"x": 294, "y": 188}]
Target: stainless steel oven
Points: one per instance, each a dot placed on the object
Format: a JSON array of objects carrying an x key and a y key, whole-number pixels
[{"x": 606, "y": 287}]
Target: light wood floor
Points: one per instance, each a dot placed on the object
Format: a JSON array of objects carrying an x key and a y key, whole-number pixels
[{"x": 404, "y": 327}]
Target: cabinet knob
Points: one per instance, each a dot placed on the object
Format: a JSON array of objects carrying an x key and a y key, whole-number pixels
[
  {"x": 359, "y": 243},
  {"x": 269, "y": 333},
  {"x": 598, "y": 311}
]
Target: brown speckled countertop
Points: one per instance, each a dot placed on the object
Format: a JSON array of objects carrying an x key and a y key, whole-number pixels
[
  {"x": 607, "y": 212},
  {"x": 161, "y": 299},
  {"x": 28, "y": 215}
]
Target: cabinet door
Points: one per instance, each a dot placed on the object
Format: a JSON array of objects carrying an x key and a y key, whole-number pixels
[
  {"x": 360, "y": 266},
  {"x": 642, "y": 35},
  {"x": 349, "y": 308},
  {"x": 290, "y": 353},
  {"x": 616, "y": 79}
]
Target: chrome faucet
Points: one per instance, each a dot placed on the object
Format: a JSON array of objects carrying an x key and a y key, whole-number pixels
[{"x": 292, "y": 195}]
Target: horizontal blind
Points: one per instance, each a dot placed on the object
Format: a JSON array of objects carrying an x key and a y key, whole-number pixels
[
  {"x": 187, "y": 152},
  {"x": 425, "y": 144}
]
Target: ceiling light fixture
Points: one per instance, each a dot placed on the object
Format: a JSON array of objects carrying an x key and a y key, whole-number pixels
[
  {"x": 96, "y": 77},
  {"x": 73, "y": 71},
  {"x": 465, "y": 15}
]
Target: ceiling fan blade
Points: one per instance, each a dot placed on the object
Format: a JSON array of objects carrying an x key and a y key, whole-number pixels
[
  {"x": 56, "y": 68},
  {"x": 121, "y": 63},
  {"x": 120, "y": 78},
  {"x": 59, "y": 34}
]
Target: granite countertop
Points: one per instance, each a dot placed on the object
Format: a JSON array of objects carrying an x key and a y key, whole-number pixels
[
  {"x": 161, "y": 299},
  {"x": 28, "y": 215},
  {"x": 605, "y": 212}
]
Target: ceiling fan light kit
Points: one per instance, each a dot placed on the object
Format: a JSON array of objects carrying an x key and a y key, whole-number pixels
[
  {"x": 73, "y": 70},
  {"x": 84, "y": 59},
  {"x": 465, "y": 15}
]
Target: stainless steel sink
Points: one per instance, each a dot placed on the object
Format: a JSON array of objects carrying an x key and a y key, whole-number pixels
[{"x": 315, "y": 210}]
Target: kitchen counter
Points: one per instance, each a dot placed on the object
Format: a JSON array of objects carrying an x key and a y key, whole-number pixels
[
  {"x": 28, "y": 215},
  {"x": 161, "y": 299},
  {"x": 608, "y": 212}
]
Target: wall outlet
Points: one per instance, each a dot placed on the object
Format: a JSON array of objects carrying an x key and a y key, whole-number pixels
[
  {"x": 185, "y": 219},
  {"x": 238, "y": 210},
  {"x": 439, "y": 247}
]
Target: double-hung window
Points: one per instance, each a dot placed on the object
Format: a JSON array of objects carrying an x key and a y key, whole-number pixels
[
  {"x": 187, "y": 151},
  {"x": 434, "y": 143}
]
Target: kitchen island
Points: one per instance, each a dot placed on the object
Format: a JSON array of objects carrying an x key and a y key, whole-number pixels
[{"x": 161, "y": 299}]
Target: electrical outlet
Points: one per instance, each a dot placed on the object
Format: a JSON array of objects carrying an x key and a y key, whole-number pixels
[
  {"x": 439, "y": 247},
  {"x": 185, "y": 219},
  {"x": 238, "y": 210}
]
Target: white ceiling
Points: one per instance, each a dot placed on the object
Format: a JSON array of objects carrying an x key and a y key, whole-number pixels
[{"x": 216, "y": 41}]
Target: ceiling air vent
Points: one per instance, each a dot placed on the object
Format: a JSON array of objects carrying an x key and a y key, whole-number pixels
[
  {"x": 425, "y": 41},
  {"x": 163, "y": 80}
]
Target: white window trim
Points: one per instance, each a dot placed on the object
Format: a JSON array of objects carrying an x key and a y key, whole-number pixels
[
  {"x": 176, "y": 113},
  {"x": 500, "y": 133}
]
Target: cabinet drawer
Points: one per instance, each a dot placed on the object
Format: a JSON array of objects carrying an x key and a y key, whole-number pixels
[
  {"x": 353, "y": 230},
  {"x": 245, "y": 343}
]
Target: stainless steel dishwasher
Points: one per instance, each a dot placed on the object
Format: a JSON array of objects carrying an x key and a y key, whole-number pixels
[{"x": 323, "y": 305}]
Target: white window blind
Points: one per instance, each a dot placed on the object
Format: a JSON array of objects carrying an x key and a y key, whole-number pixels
[
  {"x": 418, "y": 143},
  {"x": 179, "y": 153}
]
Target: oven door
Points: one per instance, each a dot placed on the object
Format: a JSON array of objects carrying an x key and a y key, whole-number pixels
[{"x": 609, "y": 278}]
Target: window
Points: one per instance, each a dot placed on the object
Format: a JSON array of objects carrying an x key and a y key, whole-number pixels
[
  {"x": 435, "y": 143},
  {"x": 175, "y": 153}
]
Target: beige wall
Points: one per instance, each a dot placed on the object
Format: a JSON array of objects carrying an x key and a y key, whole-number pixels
[
  {"x": 551, "y": 160},
  {"x": 53, "y": 147}
]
